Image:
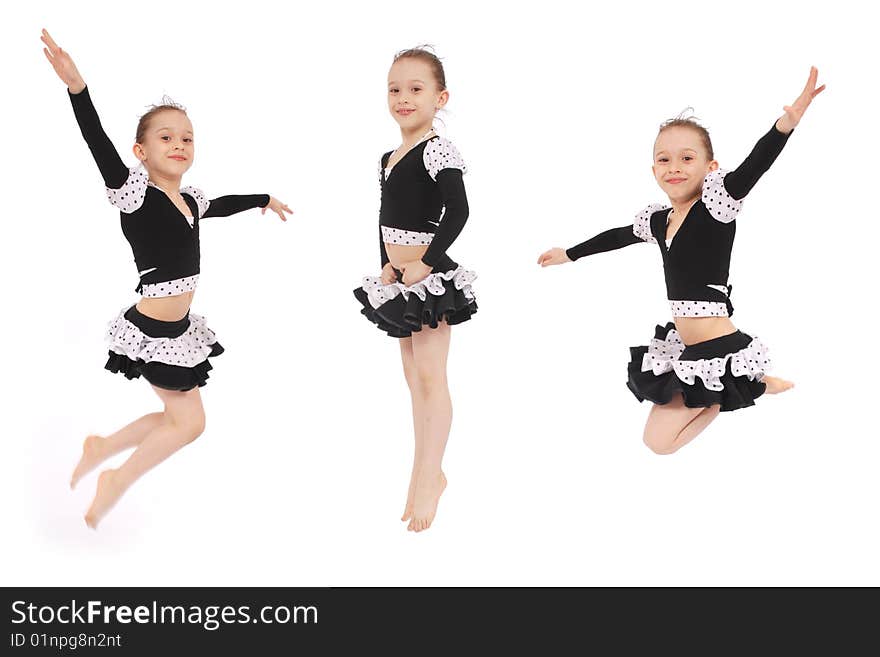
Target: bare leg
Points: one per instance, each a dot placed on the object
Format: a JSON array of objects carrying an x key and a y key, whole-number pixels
[
  {"x": 183, "y": 421},
  {"x": 672, "y": 426},
  {"x": 775, "y": 385},
  {"x": 418, "y": 410},
  {"x": 97, "y": 449},
  {"x": 430, "y": 350}
]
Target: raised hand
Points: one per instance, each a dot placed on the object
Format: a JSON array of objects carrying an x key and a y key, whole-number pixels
[
  {"x": 63, "y": 64},
  {"x": 277, "y": 207},
  {"x": 555, "y": 256},
  {"x": 795, "y": 111}
]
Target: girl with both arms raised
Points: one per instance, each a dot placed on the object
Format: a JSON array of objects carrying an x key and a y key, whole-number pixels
[
  {"x": 421, "y": 291},
  {"x": 157, "y": 338},
  {"x": 700, "y": 364}
]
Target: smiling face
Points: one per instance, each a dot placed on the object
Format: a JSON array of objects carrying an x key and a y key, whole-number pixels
[
  {"x": 681, "y": 161},
  {"x": 414, "y": 96},
  {"x": 167, "y": 146}
]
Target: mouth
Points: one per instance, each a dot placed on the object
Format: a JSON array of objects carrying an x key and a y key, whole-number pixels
[
  {"x": 676, "y": 181},
  {"x": 179, "y": 158},
  {"x": 405, "y": 111}
]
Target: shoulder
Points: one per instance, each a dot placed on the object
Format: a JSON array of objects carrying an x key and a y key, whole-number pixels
[
  {"x": 198, "y": 196},
  {"x": 718, "y": 201},
  {"x": 642, "y": 222},
  {"x": 130, "y": 197},
  {"x": 439, "y": 154}
]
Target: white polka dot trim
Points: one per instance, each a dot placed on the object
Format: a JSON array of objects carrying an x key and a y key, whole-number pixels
[
  {"x": 187, "y": 350},
  {"x": 642, "y": 224},
  {"x": 407, "y": 237},
  {"x": 130, "y": 196},
  {"x": 199, "y": 197},
  {"x": 377, "y": 293},
  {"x": 170, "y": 288},
  {"x": 721, "y": 205},
  {"x": 752, "y": 361},
  {"x": 682, "y": 308},
  {"x": 440, "y": 154}
]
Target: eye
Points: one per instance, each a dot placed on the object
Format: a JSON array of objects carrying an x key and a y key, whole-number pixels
[
  {"x": 416, "y": 90},
  {"x": 662, "y": 159},
  {"x": 393, "y": 90},
  {"x": 165, "y": 138},
  {"x": 688, "y": 157},
  {"x": 188, "y": 140}
]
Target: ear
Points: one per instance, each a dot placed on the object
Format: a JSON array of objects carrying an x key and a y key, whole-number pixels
[
  {"x": 139, "y": 153},
  {"x": 442, "y": 99},
  {"x": 713, "y": 165}
]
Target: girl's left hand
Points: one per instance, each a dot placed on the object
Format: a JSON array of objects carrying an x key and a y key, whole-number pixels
[
  {"x": 795, "y": 111},
  {"x": 277, "y": 207},
  {"x": 414, "y": 271}
]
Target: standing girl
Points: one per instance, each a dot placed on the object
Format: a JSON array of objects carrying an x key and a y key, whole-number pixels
[
  {"x": 421, "y": 292},
  {"x": 700, "y": 364},
  {"x": 157, "y": 338}
]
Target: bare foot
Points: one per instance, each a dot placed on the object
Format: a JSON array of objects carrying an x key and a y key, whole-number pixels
[
  {"x": 411, "y": 493},
  {"x": 93, "y": 455},
  {"x": 425, "y": 501},
  {"x": 776, "y": 385},
  {"x": 108, "y": 493}
]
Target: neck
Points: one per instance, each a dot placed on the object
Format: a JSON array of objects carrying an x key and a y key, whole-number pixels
[
  {"x": 412, "y": 136},
  {"x": 167, "y": 183},
  {"x": 681, "y": 207}
]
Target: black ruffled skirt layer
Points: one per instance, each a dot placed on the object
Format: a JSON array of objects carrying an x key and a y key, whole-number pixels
[
  {"x": 726, "y": 371},
  {"x": 170, "y": 355},
  {"x": 399, "y": 310}
]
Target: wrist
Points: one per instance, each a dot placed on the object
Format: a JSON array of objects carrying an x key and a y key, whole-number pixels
[
  {"x": 76, "y": 87},
  {"x": 783, "y": 125}
]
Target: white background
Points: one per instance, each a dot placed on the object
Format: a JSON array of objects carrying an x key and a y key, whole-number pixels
[{"x": 302, "y": 472}]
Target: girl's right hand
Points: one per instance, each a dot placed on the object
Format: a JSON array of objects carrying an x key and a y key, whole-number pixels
[
  {"x": 554, "y": 256},
  {"x": 63, "y": 64},
  {"x": 388, "y": 274}
]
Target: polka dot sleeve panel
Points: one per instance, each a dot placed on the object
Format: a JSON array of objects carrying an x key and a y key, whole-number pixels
[
  {"x": 130, "y": 197},
  {"x": 721, "y": 205},
  {"x": 199, "y": 197},
  {"x": 642, "y": 224},
  {"x": 440, "y": 154}
]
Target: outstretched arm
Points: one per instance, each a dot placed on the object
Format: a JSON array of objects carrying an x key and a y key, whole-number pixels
[
  {"x": 228, "y": 205},
  {"x": 111, "y": 166},
  {"x": 615, "y": 238},
  {"x": 740, "y": 181}
]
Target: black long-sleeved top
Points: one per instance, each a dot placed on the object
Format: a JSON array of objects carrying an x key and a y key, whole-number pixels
[
  {"x": 697, "y": 261},
  {"x": 165, "y": 243},
  {"x": 424, "y": 201}
]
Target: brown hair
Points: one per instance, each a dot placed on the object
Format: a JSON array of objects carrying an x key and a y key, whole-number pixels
[
  {"x": 144, "y": 122},
  {"x": 422, "y": 53},
  {"x": 682, "y": 121}
]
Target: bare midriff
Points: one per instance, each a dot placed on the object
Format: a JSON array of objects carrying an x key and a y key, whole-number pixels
[
  {"x": 400, "y": 254},
  {"x": 699, "y": 329},
  {"x": 166, "y": 309}
]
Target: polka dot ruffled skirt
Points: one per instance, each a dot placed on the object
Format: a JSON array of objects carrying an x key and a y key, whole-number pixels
[
  {"x": 170, "y": 355},
  {"x": 399, "y": 309},
  {"x": 726, "y": 371}
]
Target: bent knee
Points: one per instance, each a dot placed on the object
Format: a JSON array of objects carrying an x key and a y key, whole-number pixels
[{"x": 191, "y": 427}]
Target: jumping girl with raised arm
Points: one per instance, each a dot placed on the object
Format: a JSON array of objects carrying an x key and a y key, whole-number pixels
[
  {"x": 157, "y": 338},
  {"x": 700, "y": 364}
]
